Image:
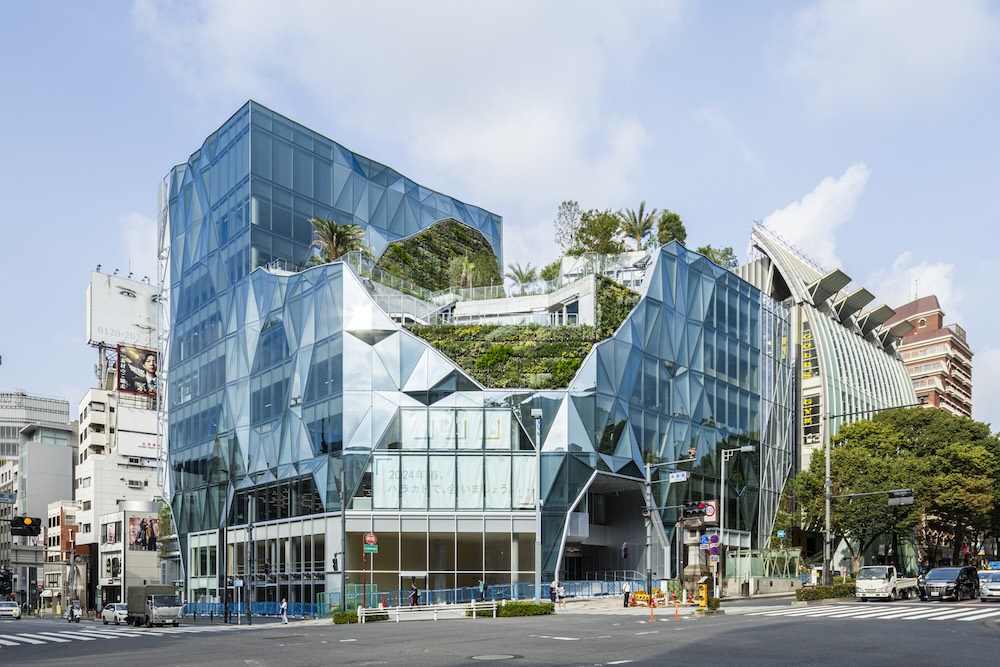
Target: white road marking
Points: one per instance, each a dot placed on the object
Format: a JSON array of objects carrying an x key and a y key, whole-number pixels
[
  {"x": 47, "y": 637},
  {"x": 981, "y": 615}
]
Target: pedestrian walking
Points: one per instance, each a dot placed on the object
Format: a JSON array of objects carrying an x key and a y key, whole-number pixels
[
  {"x": 561, "y": 596},
  {"x": 627, "y": 591},
  {"x": 552, "y": 591},
  {"x": 482, "y": 591},
  {"x": 284, "y": 611},
  {"x": 414, "y": 595}
]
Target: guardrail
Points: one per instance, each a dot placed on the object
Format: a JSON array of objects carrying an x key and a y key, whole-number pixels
[{"x": 431, "y": 610}]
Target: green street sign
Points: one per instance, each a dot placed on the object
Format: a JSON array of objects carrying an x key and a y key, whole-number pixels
[{"x": 371, "y": 548}]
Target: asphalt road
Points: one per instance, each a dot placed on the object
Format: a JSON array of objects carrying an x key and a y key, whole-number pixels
[{"x": 757, "y": 633}]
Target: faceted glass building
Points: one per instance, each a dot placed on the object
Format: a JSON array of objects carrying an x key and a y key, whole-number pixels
[{"x": 289, "y": 389}]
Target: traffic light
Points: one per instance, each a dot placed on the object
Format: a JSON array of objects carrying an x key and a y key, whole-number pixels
[
  {"x": 6, "y": 582},
  {"x": 901, "y": 497},
  {"x": 25, "y": 526},
  {"x": 335, "y": 568},
  {"x": 624, "y": 551},
  {"x": 694, "y": 508}
]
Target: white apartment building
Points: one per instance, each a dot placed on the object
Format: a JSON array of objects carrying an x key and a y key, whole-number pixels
[{"x": 117, "y": 466}]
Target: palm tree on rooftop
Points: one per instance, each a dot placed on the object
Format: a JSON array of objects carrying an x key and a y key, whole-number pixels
[
  {"x": 637, "y": 224},
  {"x": 522, "y": 276},
  {"x": 333, "y": 240}
]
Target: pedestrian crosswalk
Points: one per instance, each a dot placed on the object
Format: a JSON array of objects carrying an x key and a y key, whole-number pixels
[
  {"x": 85, "y": 634},
  {"x": 909, "y": 612}
]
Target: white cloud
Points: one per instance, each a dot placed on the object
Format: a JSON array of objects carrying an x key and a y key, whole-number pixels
[
  {"x": 810, "y": 224},
  {"x": 488, "y": 98},
  {"x": 890, "y": 53},
  {"x": 907, "y": 280}
]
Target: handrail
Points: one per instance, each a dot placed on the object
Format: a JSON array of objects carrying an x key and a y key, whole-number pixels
[{"x": 476, "y": 607}]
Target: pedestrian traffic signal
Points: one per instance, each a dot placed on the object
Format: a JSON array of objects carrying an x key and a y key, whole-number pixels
[
  {"x": 694, "y": 508},
  {"x": 25, "y": 526},
  {"x": 624, "y": 551}
]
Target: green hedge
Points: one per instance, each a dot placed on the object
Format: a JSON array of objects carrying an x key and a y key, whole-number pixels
[
  {"x": 515, "y": 608},
  {"x": 342, "y": 617},
  {"x": 825, "y": 592}
]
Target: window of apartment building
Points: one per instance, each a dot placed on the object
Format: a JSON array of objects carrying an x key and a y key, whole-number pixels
[
  {"x": 86, "y": 507},
  {"x": 85, "y": 528},
  {"x": 97, "y": 407},
  {"x": 137, "y": 483}
]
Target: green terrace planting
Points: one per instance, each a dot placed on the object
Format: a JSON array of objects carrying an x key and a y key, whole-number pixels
[
  {"x": 445, "y": 255},
  {"x": 512, "y": 356},
  {"x": 507, "y": 356}
]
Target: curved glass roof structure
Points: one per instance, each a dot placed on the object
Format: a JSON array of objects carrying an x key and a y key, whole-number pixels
[{"x": 850, "y": 367}]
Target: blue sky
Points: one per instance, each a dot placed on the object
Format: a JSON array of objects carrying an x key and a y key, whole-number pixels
[{"x": 865, "y": 132}]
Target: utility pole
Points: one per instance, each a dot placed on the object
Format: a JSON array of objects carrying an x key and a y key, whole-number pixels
[{"x": 648, "y": 513}]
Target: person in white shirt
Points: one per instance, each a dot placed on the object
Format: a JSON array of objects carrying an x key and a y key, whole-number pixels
[{"x": 627, "y": 591}]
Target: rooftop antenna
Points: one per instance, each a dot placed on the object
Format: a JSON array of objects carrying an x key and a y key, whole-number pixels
[{"x": 916, "y": 282}]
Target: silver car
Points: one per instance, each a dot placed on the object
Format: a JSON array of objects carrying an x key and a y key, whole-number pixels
[
  {"x": 116, "y": 612},
  {"x": 989, "y": 586},
  {"x": 10, "y": 610}
]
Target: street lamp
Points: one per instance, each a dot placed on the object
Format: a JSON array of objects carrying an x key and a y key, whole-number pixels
[
  {"x": 536, "y": 414},
  {"x": 726, "y": 455}
]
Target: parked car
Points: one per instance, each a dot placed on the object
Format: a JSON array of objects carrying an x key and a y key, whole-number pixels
[
  {"x": 959, "y": 583},
  {"x": 989, "y": 585},
  {"x": 10, "y": 610},
  {"x": 116, "y": 612}
]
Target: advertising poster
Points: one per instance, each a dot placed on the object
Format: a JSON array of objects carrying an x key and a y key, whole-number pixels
[
  {"x": 136, "y": 372},
  {"x": 142, "y": 533}
]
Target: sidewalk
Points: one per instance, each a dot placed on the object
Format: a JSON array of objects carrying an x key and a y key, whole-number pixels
[{"x": 613, "y": 605}]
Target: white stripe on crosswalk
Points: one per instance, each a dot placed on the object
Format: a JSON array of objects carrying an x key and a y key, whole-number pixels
[
  {"x": 89, "y": 634},
  {"x": 82, "y": 636},
  {"x": 986, "y": 614},
  {"x": 49, "y": 637},
  {"x": 893, "y": 612},
  {"x": 112, "y": 634}
]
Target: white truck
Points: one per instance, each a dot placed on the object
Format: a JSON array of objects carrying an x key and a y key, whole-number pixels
[
  {"x": 882, "y": 582},
  {"x": 153, "y": 604}
]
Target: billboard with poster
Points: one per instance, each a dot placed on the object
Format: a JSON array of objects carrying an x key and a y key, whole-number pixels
[
  {"x": 143, "y": 533},
  {"x": 137, "y": 370},
  {"x": 120, "y": 310}
]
